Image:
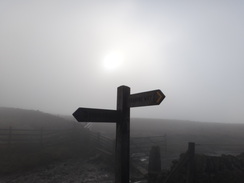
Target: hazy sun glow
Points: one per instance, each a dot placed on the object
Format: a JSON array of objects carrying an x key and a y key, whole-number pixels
[{"x": 113, "y": 61}]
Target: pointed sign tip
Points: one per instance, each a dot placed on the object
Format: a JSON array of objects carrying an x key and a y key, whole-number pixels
[{"x": 161, "y": 96}]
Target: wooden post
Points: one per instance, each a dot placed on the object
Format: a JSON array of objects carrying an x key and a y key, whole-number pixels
[
  {"x": 154, "y": 165},
  {"x": 41, "y": 137},
  {"x": 166, "y": 148},
  {"x": 122, "y": 118},
  {"x": 190, "y": 166},
  {"x": 122, "y": 172},
  {"x": 98, "y": 142},
  {"x": 114, "y": 148},
  {"x": 9, "y": 137}
]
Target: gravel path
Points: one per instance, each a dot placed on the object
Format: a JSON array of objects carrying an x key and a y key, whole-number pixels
[{"x": 69, "y": 171}]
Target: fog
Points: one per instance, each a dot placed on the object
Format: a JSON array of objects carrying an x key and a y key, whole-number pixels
[{"x": 52, "y": 56}]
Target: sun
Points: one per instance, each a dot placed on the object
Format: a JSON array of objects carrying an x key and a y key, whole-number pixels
[{"x": 113, "y": 61}]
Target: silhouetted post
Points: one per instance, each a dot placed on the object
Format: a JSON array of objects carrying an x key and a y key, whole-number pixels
[
  {"x": 114, "y": 147},
  {"x": 41, "y": 137},
  {"x": 166, "y": 148},
  {"x": 10, "y": 137},
  {"x": 98, "y": 140},
  {"x": 190, "y": 166},
  {"x": 121, "y": 117},
  {"x": 154, "y": 165},
  {"x": 122, "y": 151}
]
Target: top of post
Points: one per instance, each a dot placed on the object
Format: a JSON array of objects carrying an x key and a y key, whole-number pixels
[{"x": 123, "y": 86}]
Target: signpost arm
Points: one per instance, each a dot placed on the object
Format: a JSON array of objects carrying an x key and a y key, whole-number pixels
[
  {"x": 122, "y": 150},
  {"x": 122, "y": 118}
]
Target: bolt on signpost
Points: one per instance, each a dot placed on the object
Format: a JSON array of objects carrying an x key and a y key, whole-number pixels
[{"x": 121, "y": 117}]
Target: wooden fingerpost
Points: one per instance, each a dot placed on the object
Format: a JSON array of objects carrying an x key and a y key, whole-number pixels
[
  {"x": 122, "y": 149},
  {"x": 121, "y": 117}
]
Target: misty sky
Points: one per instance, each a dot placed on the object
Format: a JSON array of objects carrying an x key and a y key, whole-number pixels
[{"x": 52, "y": 56}]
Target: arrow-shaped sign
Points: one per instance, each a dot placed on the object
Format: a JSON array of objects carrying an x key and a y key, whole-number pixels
[
  {"x": 96, "y": 115},
  {"x": 154, "y": 97},
  {"x": 122, "y": 118}
]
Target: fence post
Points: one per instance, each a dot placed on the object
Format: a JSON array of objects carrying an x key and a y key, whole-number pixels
[
  {"x": 190, "y": 166},
  {"x": 98, "y": 139},
  {"x": 114, "y": 146},
  {"x": 41, "y": 137},
  {"x": 154, "y": 165},
  {"x": 166, "y": 148},
  {"x": 9, "y": 137}
]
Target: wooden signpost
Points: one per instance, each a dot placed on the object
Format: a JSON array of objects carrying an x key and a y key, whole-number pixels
[{"x": 121, "y": 117}]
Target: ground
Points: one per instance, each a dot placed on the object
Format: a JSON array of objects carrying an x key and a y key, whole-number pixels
[{"x": 70, "y": 171}]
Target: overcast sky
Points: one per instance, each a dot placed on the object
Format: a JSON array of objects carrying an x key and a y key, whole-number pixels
[{"x": 53, "y": 54}]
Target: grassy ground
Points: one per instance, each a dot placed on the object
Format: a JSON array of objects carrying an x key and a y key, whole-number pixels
[{"x": 24, "y": 158}]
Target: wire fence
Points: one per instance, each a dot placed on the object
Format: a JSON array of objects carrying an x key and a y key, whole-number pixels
[
  {"x": 11, "y": 137},
  {"x": 139, "y": 146},
  {"x": 219, "y": 149}
]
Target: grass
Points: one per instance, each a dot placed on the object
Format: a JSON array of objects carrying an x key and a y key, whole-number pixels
[{"x": 24, "y": 158}]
